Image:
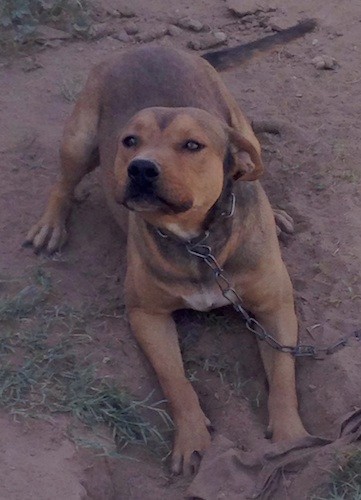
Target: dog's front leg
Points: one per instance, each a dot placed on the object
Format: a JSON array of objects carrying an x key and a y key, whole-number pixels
[
  {"x": 274, "y": 309},
  {"x": 284, "y": 421},
  {"x": 157, "y": 336}
]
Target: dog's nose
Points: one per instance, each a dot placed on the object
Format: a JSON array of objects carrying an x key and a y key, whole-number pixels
[{"x": 143, "y": 171}]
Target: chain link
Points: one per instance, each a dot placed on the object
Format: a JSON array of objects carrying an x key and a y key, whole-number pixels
[{"x": 204, "y": 252}]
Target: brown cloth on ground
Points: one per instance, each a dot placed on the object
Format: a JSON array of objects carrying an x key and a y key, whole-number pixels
[{"x": 226, "y": 473}]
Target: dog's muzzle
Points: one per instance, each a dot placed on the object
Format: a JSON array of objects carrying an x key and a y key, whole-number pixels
[
  {"x": 143, "y": 175},
  {"x": 144, "y": 190}
]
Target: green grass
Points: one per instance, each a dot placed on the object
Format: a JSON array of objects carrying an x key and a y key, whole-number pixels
[
  {"x": 44, "y": 371},
  {"x": 19, "y": 19},
  {"x": 222, "y": 364},
  {"x": 346, "y": 480}
]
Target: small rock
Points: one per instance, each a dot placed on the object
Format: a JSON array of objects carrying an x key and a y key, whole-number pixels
[
  {"x": 53, "y": 44},
  {"x": 190, "y": 24},
  {"x": 247, "y": 19},
  {"x": 333, "y": 34},
  {"x": 131, "y": 28},
  {"x": 314, "y": 41},
  {"x": 195, "y": 45},
  {"x": 281, "y": 23},
  {"x": 288, "y": 54},
  {"x": 30, "y": 64},
  {"x": 125, "y": 11},
  {"x": 99, "y": 30},
  {"x": 174, "y": 30},
  {"x": 82, "y": 26},
  {"x": 241, "y": 8},
  {"x": 45, "y": 33},
  {"x": 324, "y": 62},
  {"x": 121, "y": 37},
  {"x": 121, "y": 12},
  {"x": 151, "y": 35},
  {"x": 208, "y": 41},
  {"x": 312, "y": 387},
  {"x": 220, "y": 36},
  {"x": 113, "y": 13}
]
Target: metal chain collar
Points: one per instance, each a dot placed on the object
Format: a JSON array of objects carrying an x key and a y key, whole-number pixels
[{"x": 199, "y": 249}]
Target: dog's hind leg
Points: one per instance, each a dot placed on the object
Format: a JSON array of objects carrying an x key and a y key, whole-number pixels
[{"x": 78, "y": 156}]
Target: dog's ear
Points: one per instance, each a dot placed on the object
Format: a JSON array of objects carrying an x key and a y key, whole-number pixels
[{"x": 246, "y": 163}]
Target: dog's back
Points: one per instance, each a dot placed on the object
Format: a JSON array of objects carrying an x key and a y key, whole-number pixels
[{"x": 159, "y": 77}]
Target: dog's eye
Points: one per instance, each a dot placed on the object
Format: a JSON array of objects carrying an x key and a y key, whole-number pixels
[
  {"x": 192, "y": 146},
  {"x": 130, "y": 141}
]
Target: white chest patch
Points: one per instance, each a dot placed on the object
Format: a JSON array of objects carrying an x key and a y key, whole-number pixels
[
  {"x": 205, "y": 299},
  {"x": 178, "y": 231}
]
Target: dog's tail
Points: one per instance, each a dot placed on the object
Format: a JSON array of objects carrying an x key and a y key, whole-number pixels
[{"x": 227, "y": 58}]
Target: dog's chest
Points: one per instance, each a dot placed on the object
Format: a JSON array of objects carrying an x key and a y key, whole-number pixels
[{"x": 204, "y": 298}]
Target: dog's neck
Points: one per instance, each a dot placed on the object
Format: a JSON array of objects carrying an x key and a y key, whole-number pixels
[
  {"x": 220, "y": 226},
  {"x": 223, "y": 209}
]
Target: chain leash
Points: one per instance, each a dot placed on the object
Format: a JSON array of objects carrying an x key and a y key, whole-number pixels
[
  {"x": 204, "y": 252},
  {"x": 198, "y": 248}
]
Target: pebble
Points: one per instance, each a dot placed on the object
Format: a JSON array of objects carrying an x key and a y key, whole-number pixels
[
  {"x": 220, "y": 36},
  {"x": 47, "y": 33},
  {"x": 121, "y": 12},
  {"x": 30, "y": 64},
  {"x": 208, "y": 41},
  {"x": 151, "y": 35},
  {"x": 125, "y": 11},
  {"x": 121, "y": 37},
  {"x": 241, "y": 8},
  {"x": 281, "y": 23},
  {"x": 190, "y": 24},
  {"x": 247, "y": 19},
  {"x": 174, "y": 30},
  {"x": 324, "y": 62},
  {"x": 131, "y": 28},
  {"x": 99, "y": 30}
]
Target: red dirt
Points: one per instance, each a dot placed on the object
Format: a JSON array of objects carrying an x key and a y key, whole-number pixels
[{"x": 313, "y": 172}]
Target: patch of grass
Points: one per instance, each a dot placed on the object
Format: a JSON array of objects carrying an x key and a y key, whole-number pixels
[
  {"x": 21, "y": 18},
  {"x": 43, "y": 370},
  {"x": 229, "y": 373},
  {"x": 27, "y": 299},
  {"x": 213, "y": 364},
  {"x": 346, "y": 480},
  {"x": 340, "y": 150},
  {"x": 351, "y": 175}
]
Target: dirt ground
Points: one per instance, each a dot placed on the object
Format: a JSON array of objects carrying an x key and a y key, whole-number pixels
[{"x": 312, "y": 171}]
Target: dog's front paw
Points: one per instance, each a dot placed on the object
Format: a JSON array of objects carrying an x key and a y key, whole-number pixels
[
  {"x": 284, "y": 222},
  {"x": 191, "y": 441},
  {"x": 48, "y": 234},
  {"x": 287, "y": 428}
]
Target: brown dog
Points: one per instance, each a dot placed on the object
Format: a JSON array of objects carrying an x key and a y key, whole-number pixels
[{"x": 174, "y": 147}]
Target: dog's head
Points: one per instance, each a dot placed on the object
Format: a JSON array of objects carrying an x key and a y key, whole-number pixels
[{"x": 171, "y": 165}]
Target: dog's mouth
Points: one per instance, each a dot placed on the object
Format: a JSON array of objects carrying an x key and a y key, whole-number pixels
[{"x": 149, "y": 199}]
